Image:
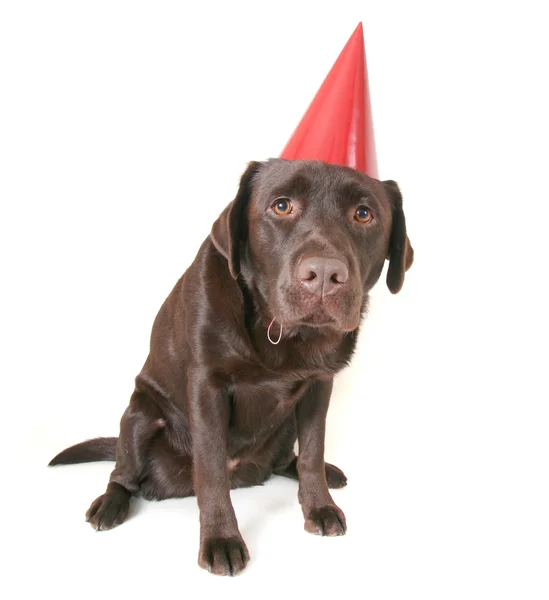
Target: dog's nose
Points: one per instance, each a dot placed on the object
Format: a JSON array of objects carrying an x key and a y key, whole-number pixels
[{"x": 322, "y": 275}]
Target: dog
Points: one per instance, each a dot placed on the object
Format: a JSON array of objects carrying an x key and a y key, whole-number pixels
[{"x": 244, "y": 350}]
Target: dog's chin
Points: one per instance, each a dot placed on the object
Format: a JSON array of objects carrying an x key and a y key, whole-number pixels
[{"x": 319, "y": 318}]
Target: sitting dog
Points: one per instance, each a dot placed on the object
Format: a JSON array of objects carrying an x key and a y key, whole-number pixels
[{"x": 244, "y": 350}]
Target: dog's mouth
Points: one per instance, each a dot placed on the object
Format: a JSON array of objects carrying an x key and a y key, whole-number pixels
[
  {"x": 293, "y": 306},
  {"x": 321, "y": 315},
  {"x": 318, "y": 317}
]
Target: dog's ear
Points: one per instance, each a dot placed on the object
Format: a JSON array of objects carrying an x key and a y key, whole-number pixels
[
  {"x": 401, "y": 253},
  {"x": 231, "y": 227}
]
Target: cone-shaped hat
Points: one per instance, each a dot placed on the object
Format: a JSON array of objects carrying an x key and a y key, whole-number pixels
[{"x": 337, "y": 127}]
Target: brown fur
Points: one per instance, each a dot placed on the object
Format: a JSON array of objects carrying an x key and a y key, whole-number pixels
[{"x": 216, "y": 405}]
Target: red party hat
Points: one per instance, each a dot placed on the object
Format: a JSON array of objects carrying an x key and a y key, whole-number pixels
[{"x": 337, "y": 127}]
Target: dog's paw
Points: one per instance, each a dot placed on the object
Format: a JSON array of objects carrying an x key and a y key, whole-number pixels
[
  {"x": 223, "y": 556},
  {"x": 109, "y": 510},
  {"x": 326, "y": 520},
  {"x": 335, "y": 477}
]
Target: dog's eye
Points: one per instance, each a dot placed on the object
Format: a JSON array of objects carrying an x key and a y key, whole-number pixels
[
  {"x": 282, "y": 207},
  {"x": 363, "y": 214}
]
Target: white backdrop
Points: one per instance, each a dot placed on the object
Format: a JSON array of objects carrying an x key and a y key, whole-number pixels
[{"x": 124, "y": 127}]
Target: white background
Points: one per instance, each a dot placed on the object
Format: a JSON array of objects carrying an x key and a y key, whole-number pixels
[{"x": 124, "y": 127}]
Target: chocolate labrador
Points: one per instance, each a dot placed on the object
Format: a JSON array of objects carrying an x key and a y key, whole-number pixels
[{"x": 244, "y": 350}]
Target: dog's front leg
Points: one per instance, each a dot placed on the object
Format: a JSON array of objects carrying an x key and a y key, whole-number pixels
[
  {"x": 321, "y": 514},
  {"x": 222, "y": 549}
]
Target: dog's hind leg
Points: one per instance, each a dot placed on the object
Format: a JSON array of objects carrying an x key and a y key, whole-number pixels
[{"x": 141, "y": 421}]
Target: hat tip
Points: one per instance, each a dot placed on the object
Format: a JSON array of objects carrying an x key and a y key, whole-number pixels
[{"x": 359, "y": 31}]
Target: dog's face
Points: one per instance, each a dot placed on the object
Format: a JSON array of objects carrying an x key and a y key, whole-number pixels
[{"x": 312, "y": 239}]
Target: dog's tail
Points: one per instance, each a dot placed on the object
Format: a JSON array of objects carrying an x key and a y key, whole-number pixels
[{"x": 88, "y": 451}]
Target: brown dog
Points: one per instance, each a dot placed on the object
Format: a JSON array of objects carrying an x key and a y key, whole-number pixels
[{"x": 244, "y": 350}]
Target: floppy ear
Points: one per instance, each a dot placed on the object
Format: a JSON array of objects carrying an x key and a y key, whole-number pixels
[
  {"x": 401, "y": 253},
  {"x": 231, "y": 226}
]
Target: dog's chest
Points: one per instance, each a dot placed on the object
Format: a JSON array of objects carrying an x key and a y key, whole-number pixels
[{"x": 261, "y": 407}]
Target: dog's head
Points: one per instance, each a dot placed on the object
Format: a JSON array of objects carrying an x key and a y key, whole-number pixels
[{"x": 312, "y": 239}]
